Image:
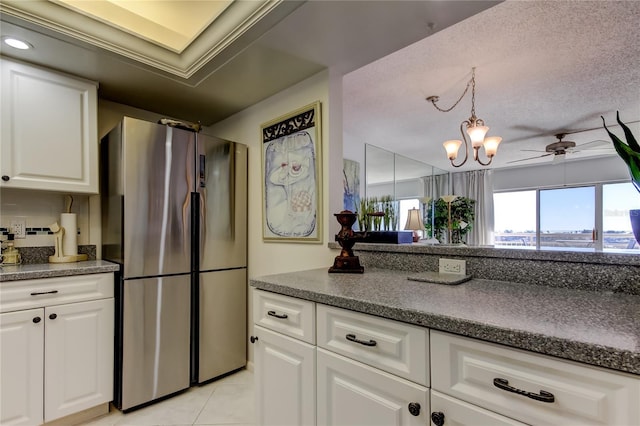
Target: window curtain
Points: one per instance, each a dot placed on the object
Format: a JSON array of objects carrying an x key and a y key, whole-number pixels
[
  {"x": 477, "y": 185},
  {"x": 436, "y": 186}
]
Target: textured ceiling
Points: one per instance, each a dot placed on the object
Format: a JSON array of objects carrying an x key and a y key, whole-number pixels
[
  {"x": 212, "y": 79},
  {"x": 542, "y": 68}
]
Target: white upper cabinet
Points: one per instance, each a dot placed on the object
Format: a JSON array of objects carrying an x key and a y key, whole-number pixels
[{"x": 49, "y": 136}]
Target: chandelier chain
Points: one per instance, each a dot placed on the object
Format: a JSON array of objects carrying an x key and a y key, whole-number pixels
[{"x": 472, "y": 83}]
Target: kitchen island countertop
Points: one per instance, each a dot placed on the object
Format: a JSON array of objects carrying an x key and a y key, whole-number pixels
[
  {"x": 597, "y": 328},
  {"x": 50, "y": 270}
]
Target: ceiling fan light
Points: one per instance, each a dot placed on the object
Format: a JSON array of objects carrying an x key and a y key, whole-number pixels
[
  {"x": 476, "y": 134},
  {"x": 452, "y": 147},
  {"x": 491, "y": 145}
]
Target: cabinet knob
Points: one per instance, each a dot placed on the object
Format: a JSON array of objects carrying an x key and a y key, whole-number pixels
[
  {"x": 53, "y": 316},
  {"x": 253, "y": 339},
  {"x": 37, "y": 320},
  {"x": 414, "y": 408},
  {"x": 5, "y": 178},
  {"x": 437, "y": 418}
]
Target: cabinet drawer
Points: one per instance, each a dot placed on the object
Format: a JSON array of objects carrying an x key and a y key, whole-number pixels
[
  {"x": 392, "y": 346},
  {"x": 459, "y": 413},
  {"x": 26, "y": 294},
  {"x": 287, "y": 315},
  {"x": 477, "y": 372},
  {"x": 352, "y": 393}
]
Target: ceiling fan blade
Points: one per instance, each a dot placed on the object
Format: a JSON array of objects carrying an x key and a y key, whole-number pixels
[
  {"x": 532, "y": 150},
  {"x": 530, "y": 158}
]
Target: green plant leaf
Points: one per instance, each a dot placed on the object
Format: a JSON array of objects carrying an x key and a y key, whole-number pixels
[
  {"x": 631, "y": 140},
  {"x": 630, "y": 156}
]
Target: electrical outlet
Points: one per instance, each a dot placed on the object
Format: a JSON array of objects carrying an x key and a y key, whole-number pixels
[
  {"x": 19, "y": 227},
  {"x": 452, "y": 266}
]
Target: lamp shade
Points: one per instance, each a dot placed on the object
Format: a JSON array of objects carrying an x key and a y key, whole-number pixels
[
  {"x": 491, "y": 145},
  {"x": 476, "y": 134},
  {"x": 448, "y": 198},
  {"x": 452, "y": 147},
  {"x": 413, "y": 221}
]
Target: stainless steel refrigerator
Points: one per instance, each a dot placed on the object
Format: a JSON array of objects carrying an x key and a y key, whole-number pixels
[{"x": 174, "y": 206}]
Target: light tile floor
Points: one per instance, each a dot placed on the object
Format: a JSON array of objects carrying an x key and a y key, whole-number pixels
[{"x": 228, "y": 401}]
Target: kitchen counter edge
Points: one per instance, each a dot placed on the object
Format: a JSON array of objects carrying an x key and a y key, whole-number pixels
[
  {"x": 611, "y": 357},
  {"x": 50, "y": 270}
]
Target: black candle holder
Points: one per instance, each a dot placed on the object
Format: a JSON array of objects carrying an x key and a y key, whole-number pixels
[{"x": 346, "y": 262}]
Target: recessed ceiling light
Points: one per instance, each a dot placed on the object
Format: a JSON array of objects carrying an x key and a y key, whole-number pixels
[{"x": 16, "y": 43}]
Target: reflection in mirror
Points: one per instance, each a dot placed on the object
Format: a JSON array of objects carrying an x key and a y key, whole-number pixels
[{"x": 410, "y": 183}]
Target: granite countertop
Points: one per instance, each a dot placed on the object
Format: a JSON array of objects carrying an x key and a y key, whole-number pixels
[
  {"x": 49, "y": 270},
  {"x": 597, "y": 328}
]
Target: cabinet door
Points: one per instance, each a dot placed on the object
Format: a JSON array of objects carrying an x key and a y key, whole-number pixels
[
  {"x": 454, "y": 412},
  {"x": 285, "y": 380},
  {"x": 355, "y": 394},
  {"x": 78, "y": 357},
  {"x": 49, "y": 130},
  {"x": 21, "y": 352}
]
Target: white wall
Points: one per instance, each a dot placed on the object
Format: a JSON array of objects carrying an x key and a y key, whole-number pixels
[{"x": 244, "y": 127}]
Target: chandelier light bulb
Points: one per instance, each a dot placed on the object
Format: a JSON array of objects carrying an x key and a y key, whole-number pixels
[
  {"x": 452, "y": 147},
  {"x": 476, "y": 134},
  {"x": 491, "y": 145}
]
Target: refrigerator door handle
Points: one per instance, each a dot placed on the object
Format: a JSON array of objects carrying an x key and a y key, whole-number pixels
[{"x": 202, "y": 171}]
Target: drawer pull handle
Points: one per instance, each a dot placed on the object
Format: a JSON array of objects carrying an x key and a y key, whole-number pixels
[
  {"x": 253, "y": 339},
  {"x": 273, "y": 314},
  {"x": 542, "y": 396},
  {"x": 38, "y": 293},
  {"x": 437, "y": 417},
  {"x": 353, "y": 338},
  {"x": 414, "y": 408}
]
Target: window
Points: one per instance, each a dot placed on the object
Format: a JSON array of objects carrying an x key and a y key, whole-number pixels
[
  {"x": 617, "y": 200},
  {"x": 515, "y": 218},
  {"x": 567, "y": 218}
]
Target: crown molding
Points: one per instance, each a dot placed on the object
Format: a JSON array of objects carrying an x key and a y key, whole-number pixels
[{"x": 235, "y": 22}]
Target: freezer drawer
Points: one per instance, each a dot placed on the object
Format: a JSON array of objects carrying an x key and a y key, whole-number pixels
[
  {"x": 155, "y": 338},
  {"x": 223, "y": 323}
]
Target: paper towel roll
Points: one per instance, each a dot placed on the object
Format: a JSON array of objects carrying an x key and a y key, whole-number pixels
[{"x": 70, "y": 239}]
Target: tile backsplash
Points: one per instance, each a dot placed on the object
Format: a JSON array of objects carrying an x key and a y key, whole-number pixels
[{"x": 40, "y": 210}]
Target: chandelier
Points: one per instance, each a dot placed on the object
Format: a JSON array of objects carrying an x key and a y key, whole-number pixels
[{"x": 475, "y": 129}]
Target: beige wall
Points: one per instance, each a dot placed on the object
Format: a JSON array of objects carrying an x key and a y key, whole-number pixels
[{"x": 244, "y": 127}]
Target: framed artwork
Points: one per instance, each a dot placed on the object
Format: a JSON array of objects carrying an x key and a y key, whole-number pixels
[{"x": 291, "y": 177}]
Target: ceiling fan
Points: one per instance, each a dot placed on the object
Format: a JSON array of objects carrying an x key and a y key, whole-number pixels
[{"x": 560, "y": 148}]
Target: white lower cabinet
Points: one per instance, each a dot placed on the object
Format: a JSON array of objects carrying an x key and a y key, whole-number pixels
[
  {"x": 285, "y": 377},
  {"x": 368, "y": 370},
  {"x": 21, "y": 354},
  {"x": 449, "y": 411},
  {"x": 354, "y": 394},
  {"x": 57, "y": 359},
  {"x": 78, "y": 362},
  {"x": 532, "y": 388}
]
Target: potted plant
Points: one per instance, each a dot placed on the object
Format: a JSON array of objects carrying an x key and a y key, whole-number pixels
[
  {"x": 630, "y": 154},
  {"x": 462, "y": 218}
]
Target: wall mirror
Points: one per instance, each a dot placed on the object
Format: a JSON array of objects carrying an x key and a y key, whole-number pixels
[
  {"x": 596, "y": 220},
  {"x": 406, "y": 181}
]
